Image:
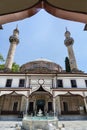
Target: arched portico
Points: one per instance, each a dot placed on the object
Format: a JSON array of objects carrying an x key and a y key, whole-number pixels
[
  {"x": 72, "y": 104},
  {"x": 12, "y": 103},
  {"x": 40, "y": 99},
  {"x": 69, "y": 104}
]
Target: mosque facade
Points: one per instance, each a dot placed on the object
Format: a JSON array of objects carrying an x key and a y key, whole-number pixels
[{"x": 43, "y": 84}]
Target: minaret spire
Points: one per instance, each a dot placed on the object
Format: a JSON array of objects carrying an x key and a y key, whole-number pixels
[
  {"x": 14, "y": 40},
  {"x": 69, "y": 44}
]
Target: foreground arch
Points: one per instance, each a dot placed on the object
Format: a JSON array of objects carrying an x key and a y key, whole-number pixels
[{"x": 66, "y": 9}]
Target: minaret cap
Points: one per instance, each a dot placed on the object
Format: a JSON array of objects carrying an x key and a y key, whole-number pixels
[
  {"x": 16, "y": 32},
  {"x": 67, "y": 34},
  {"x": 68, "y": 40},
  {"x": 14, "y": 37}
]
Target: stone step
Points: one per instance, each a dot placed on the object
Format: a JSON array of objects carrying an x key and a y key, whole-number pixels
[
  {"x": 9, "y": 118},
  {"x": 72, "y": 117}
]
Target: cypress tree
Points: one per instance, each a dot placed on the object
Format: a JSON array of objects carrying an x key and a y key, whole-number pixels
[{"x": 67, "y": 65}]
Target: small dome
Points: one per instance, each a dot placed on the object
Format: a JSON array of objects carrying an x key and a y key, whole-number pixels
[{"x": 41, "y": 66}]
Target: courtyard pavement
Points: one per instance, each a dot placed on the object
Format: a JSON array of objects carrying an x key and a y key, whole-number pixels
[{"x": 69, "y": 125}]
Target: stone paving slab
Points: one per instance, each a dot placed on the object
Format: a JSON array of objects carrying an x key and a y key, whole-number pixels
[
  {"x": 74, "y": 125},
  {"x": 69, "y": 125},
  {"x": 9, "y": 125}
]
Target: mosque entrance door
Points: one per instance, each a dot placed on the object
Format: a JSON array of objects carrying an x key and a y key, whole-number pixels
[{"x": 40, "y": 105}]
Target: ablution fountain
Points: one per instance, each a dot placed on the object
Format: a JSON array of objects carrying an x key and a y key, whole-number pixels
[{"x": 40, "y": 122}]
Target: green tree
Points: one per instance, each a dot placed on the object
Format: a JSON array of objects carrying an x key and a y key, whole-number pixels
[
  {"x": 2, "y": 67},
  {"x": 67, "y": 65},
  {"x": 1, "y": 58},
  {"x": 15, "y": 67}
]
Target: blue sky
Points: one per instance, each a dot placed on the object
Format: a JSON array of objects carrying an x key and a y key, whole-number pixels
[{"x": 42, "y": 36}]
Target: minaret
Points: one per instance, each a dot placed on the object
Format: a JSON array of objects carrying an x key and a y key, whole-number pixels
[
  {"x": 13, "y": 43},
  {"x": 69, "y": 44}
]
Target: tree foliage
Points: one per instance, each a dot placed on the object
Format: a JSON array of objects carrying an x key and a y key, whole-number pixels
[
  {"x": 1, "y": 58},
  {"x": 2, "y": 66},
  {"x": 67, "y": 65},
  {"x": 15, "y": 67}
]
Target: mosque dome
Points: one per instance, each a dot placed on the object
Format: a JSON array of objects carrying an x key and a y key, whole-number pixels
[{"x": 41, "y": 66}]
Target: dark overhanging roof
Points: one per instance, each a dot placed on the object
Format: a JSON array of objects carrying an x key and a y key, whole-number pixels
[{"x": 13, "y": 10}]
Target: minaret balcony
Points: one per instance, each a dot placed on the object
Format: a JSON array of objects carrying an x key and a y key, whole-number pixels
[
  {"x": 68, "y": 41},
  {"x": 14, "y": 39}
]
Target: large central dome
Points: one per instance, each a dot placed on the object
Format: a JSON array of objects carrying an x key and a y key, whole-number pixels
[{"x": 41, "y": 66}]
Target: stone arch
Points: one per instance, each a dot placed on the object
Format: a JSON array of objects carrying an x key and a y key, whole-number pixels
[
  {"x": 12, "y": 102},
  {"x": 40, "y": 99},
  {"x": 70, "y": 104}
]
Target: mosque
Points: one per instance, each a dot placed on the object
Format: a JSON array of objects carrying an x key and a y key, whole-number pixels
[{"x": 42, "y": 84}]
